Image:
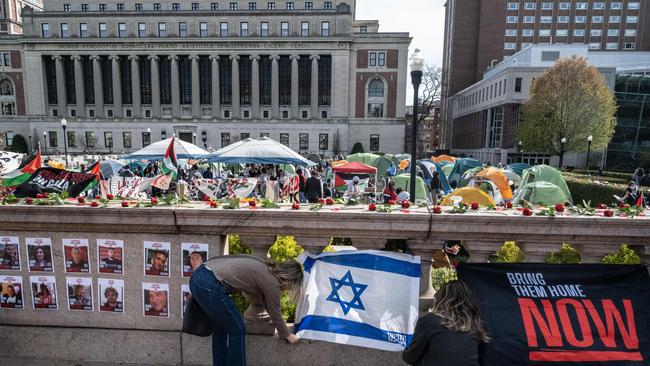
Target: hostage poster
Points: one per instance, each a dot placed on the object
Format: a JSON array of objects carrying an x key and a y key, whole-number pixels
[
  {"x": 39, "y": 254},
  {"x": 553, "y": 314},
  {"x": 110, "y": 254},
  {"x": 111, "y": 295},
  {"x": 155, "y": 298},
  {"x": 156, "y": 258},
  {"x": 11, "y": 292},
  {"x": 80, "y": 293},
  {"x": 75, "y": 252},
  {"x": 52, "y": 180},
  {"x": 9, "y": 253},
  {"x": 43, "y": 292}
]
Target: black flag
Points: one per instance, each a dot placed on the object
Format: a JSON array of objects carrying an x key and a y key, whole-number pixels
[{"x": 52, "y": 180}]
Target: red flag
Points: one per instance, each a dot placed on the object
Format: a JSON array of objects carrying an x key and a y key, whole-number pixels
[
  {"x": 639, "y": 201},
  {"x": 32, "y": 163}
]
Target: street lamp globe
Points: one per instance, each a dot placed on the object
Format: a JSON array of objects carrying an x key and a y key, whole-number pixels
[
  {"x": 590, "y": 138},
  {"x": 416, "y": 62},
  {"x": 563, "y": 140},
  {"x": 64, "y": 123},
  {"x": 148, "y": 130}
]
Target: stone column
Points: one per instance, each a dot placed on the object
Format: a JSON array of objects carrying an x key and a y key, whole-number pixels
[
  {"x": 176, "y": 90},
  {"x": 135, "y": 86},
  {"x": 196, "y": 90},
  {"x": 117, "y": 86},
  {"x": 314, "y": 86},
  {"x": 215, "y": 85},
  {"x": 61, "y": 98},
  {"x": 294, "y": 85},
  {"x": 425, "y": 249},
  {"x": 79, "y": 87},
  {"x": 235, "y": 86},
  {"x": 255, "y": 92},
  {"x": 275, "y": 87},
  {"x": 155, "y": 87},
  {"x": 98, "y": 86}
]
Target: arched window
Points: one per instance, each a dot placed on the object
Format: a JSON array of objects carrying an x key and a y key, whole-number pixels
[
  {"x": 376, "y": 98},
  {"x": 7, "y": 97},
  {"x": 6, "y": 88}
]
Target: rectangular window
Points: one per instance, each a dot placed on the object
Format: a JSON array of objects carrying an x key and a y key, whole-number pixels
[
  {"x": 223, "y": 29},
  {"x": 91, "y": 140},
  {"x": 142, "y": 30},
  {"x": 632, "y": 19},
  {"x": 156, "y": 6},
  {"x": 630, "y": 33},
  {"x": 634, "y": 5},
  {"x": 303, "y": 141},
  {"x": 146, "y": 139},
  {"x": 373, "y": 59},
  {"x": 563, "y": 19},
  {"x": 513, "y": 6},
  {"x": 304, "y": 29},
  {"x": 374, "y": 142},
  {"x": 195, "y": 6},
  {"x": 599, "y": 5},
  {"x": 510, "y": 46},
  {"x": 323, "y": 141},
  {"x": 612, "y": 46},
  {"x": 72, "y": 139},
  {"x": 363, "y": 29},
  {"x": 517, "y": 85},
  {"x": 614, "y": 19},
  {"x": 597, "y": 19},
  {"x": 284, "y": 139},
  {"x": 527, "y": 32},
  {"x": 108, "y": 139},
  {"x": 103, "y": 30},
  {"x": 578, "y": 32},
  {"x": 309, "y": 5},
  {"x": 264, "y": 29},
  {"x": 203, "y": 29},
  {"x": 284, "y": 29},
  {"x": 546, "y": 19},
  {"x": 176, "y": 6},
  {"x": 547, "y": 6},
  {"x": 126, "y": 140},
  {"x": 54, "y": 141},
  {"x": 225, "y": 139},
  {"x": 511, "y": 33},
  {"x": 327, "y": 5},
  {"x": 102, "y": 7},
  {"x": 616, "y": 5},
  {"x": 45, "y": 30},
  {"x": 65, "y": 31},
  {"x": 529, "y": 6},
  {"x": 561, "y": 32},
  {"x": 381, "y": 58},
  {"x": 581, "y": 6},
  {"x": 84, "y": 7},
  {"x": 565, "y": 6},
  {"x": 252, "y": 6},
  {"x": 121, "y": 30},
  {"x": 119, "y": 7},
  {"x": 243, "y": 29},
  {"x": 628, "y": 46},
  {"x": 612, "y": 33},
  {"x": 138, "y": 7},
  {"x": 596, "y": 32},
  {"x": 182, "y": 29},
  {"x": 290, "y": 5},
  {"x": 162, "y": 29},
  {"x": 66, "y": 7},
  {"x": 233, "y": 6},
  {"x": 83, "y": 30},
  {"x": 270, "y": 6},
  {"x": 512, "y": 19},
  {"x": 325, "y": 29},
  {"x": 214, "y": 6},
  {"x": 581, "y": 19},
  {"x": 594, "y": 46}
]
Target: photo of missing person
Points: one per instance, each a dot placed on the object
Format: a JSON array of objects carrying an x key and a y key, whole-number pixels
[
  {"x": 75, "y": 253},
  {"x": 193, "y": 255},
  {"x": 39, "y": 254},
  {"x": 9, "y": 253},
  {"x": 111, "y": 297},
  {"x": 11, "y": 292},
  {"x": 156, "y": 258},
  {"x": 43, "y": 292},
  {"x": 155, "y": 299},
  {"x": 80, "y": 293},
  {"x": 186, "y": 295},
  {"x": 111, "y": 255}
]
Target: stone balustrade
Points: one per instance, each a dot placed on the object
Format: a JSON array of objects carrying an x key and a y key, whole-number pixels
[{"x": 481, "y": 232}]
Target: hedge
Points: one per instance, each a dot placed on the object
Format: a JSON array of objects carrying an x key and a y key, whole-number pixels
[
  {"x": 617, "y": 175},
  {"x": 584, "y": 189}
]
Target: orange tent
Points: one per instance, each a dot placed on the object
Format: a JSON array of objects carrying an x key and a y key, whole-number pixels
[
  {"x": 499, "y": 178},
  {"x": 439, "y": 158}
]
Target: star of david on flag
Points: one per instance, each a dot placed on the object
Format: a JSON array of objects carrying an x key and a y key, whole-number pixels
[
  {"x": 357, "y": 290},
  {"x": 365, "y": 298}
]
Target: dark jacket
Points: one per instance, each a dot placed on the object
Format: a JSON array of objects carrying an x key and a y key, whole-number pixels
[
  {"x": 313, "y": 189},
  {"x": 434, "y": 344}
]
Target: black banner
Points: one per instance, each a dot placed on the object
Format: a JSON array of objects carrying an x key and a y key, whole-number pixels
[
  {"x": 539, "y": 314},
  {"x": 52, "y": 180}
]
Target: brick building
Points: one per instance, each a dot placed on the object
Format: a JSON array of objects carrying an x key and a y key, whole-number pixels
[{"x": 428, "y": 139}]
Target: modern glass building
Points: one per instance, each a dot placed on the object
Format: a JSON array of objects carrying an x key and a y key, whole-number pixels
[{"x": 630, "y": 146}]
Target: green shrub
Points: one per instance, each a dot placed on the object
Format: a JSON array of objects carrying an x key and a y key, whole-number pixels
[
  {"x": 440, "y": 276},
  {"x": 241, "y": 302},
  {"x": 236, "y": 247},
  {"x": 340, "y": 241},
  {"x": 624, "y": 255},
  {"x": 19, "y": 145},
  {"x": 566, "y": 255},
  {"x": 357, "y": 148},
  {"x": 606, "y": 174},
  {"x": 582, "y": 188},
  {"x": 288, "y": 308},
  {"x": 510, "y": 253},
  {"x": 329, "y": 248},
  {"x": 285, "y": 247}
]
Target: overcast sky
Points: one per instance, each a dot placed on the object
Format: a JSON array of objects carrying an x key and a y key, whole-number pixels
[{"x": 423, "y": 19}]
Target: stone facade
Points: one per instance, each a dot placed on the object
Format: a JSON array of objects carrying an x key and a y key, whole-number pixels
[{"x": 210, "y": 72}]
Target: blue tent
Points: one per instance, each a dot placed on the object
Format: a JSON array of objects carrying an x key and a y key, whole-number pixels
[
  {"x": 258, "y": 151},
  {"x": 427, "y": 167},
  {"x": 518, "y": 168},
  {"x": 461, "y": 166}
]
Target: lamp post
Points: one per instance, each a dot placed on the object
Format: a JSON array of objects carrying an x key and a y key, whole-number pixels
[
  {"x": 64, "y": 124},
  {"x": 562, "y": 142},
  {"x": 163, "y": 135},
  {"x": 589, "y": 140},
  {"x": 519, "y": 144},
  {"x": 417, "y": 65},
  {"x": 194, "y": 138},
  {"x": 45, "y": 141},
  {"x": 31, "y": 147},
  {"x": 204, "y": 138}
]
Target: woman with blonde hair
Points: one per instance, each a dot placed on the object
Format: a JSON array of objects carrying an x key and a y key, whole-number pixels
[
  {"x": 450, "y": 334},
  {"x": 213, "y": 282}
]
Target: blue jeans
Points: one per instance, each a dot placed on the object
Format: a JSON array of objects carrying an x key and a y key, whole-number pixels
[{"x": 228, "y": 329}]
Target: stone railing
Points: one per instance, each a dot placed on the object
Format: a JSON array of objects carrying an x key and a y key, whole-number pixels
[{"x": 481, "y": 232}]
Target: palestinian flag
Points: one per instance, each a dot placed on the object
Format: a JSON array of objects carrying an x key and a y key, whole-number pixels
[
  {"x": 169, "y": 163},
  {"x": 345, "y": 181},
  {"x": 94, "y": 169},
  {"x": 28, "y": 166}
]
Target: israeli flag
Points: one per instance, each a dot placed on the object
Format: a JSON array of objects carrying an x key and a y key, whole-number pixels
[{"x": 364, "y": 298}]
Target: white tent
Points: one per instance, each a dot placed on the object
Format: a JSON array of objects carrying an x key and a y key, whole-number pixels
[
  {"x": 258, "y": 151},
  {"x": 156, "y": 151}
]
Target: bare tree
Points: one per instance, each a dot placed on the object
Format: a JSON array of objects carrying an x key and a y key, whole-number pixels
[{"x": 430, "y": 91}]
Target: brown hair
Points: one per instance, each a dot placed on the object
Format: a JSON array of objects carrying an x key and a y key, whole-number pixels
[
  {"x": 454, "y": 304},
  {"x": 289, "y": 272}
]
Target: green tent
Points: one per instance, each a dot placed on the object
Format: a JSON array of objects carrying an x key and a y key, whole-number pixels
[
  {"x": 461, "y": 166},
  {"x": 447, "y": 168},
  {"x": 403, "y": 181},
  {"x": 365, "y": 158},
  {"x": 288, "y": 168},
  {"x": 547, "y": 174},
  {"x": 540, "y": 192},
  {"x": 468, "y": 176}
]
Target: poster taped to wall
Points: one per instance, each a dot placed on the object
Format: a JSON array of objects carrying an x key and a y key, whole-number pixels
[
  {"x": 155, "y": 298},
  {"x": 193, "y": 255},
  {"x": 43, "y": 292},
  {"x": 111, "y": 295},
  {"x": 111, "y": 256},
  {"x": 39, "y": 254},
  {"x": 9, "y": 253},
  {"x": 80, "y": 293},
  {"x": 11, "y": 295},
  {"x": 75, "y": 255}
]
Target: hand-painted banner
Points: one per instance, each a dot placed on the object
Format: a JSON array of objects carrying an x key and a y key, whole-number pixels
[
  {"x": 209, "y": 187},
  {"x": 9, "y": 161},
  {"x": 241, "y": 188},
  {"x": 552, "y": 314},
  {"x": 162, "y": 181},
  {"x": 52, "y": 180},
  {"x": 129, "y": 187}
]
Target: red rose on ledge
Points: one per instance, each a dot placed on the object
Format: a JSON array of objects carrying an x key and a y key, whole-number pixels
[
  {"x": 252, "y": 203},
  {"x": 527, "y": 211},
  {"x": 329, "y": 201},
  {"x": 154, "y": 200},
  {"x": 125, "y": 203},
  {"x": 213, "y": 204},
  {"x": 295, "y": 206},
  {"x": 608, "y": 213},
  {"x": 29, "y": 200},
  {"x": 559, "y": 207},
  {"x": 474, "y": 206},
  {"x": 98, "y": 197},
  {"x": 321, "y": 201},
  {"x": 94, "y": 204},
  {"x": 406, "y": 204},
  {"x": 79, "y": 199},
  {"x": 437, "y": 209},
  {"x": 392, "y": 202},
  {"x": 602, "y": 206},
  {"x": 623, "y": 205},
  {"x": 206, "y": 198},
  {"x": 508, "y": 204},
  {"x": 372, "y": 207},
  {"x": 109, "y": 196}
]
